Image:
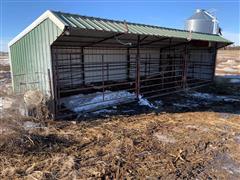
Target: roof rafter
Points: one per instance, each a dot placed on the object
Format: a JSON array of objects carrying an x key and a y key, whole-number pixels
[{"x": 105, "y": 39}]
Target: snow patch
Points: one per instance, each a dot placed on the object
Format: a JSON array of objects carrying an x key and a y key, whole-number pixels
[
  {"x": 90, "y": 102},
  {"x": 144, "y": 102},
  {"x": 31, "y": 125},
  {"x": 103, "y": 111},
  {"x": 159, "y": 102},
  {"x": 128, "y": 111},
  {"x": 212, "y": 97},
  {"x": 80, "y": 103},
  {"x": 187, "y": 104},
  {"x": 235, "y": 80}
]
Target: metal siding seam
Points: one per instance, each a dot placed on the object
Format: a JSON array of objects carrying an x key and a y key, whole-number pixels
[
  {"x": 85, "y": 23},
  {"x": 24, "y": 66},
  {"x": 138, "y": 30},
  {"x": 109, "y": 27},
  {"x": 35, "y": 58},
  {"x": 132, "y": 29},
  {"x": 120, "y": 26},
  {"x": 41, "y": 52},
  {"x": 113, "y": 26},
  {"x": 38, "y": 56},
  {"x": 79, "y": 24},
  {"x": 145, "y": 30},
  {"x": 48, "y": 55},
  {"x": 45, "y": 54},
  {"x": 102, "y": 26},
  {"x": 20, "y": 55},
  {"x": 93, "y": 24},
  {"x": 33, "y": 76},
  {"x": 27, "y": 61},
  {"x": 20, "y": 62},
  {"x": 67, "y": 21},
  {"x": 148, "y": 29}
]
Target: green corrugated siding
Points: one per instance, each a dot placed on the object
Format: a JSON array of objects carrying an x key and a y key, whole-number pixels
[{"x": 31, "y": 58}]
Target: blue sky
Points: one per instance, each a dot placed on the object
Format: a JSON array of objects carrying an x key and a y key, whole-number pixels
[{"x": 18, "y": 14}]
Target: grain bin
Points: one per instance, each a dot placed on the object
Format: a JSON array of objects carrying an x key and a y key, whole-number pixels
[{"x": 202, "y": 21}]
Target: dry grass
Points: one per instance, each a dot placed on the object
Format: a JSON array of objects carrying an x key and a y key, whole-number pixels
[{"x": 167, "y": 145}]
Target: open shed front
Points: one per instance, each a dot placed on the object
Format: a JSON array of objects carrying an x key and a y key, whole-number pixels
[{"x": 123, "y": 67}]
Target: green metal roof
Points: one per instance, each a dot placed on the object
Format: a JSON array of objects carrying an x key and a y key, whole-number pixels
[{"x": 99, "y": 24}]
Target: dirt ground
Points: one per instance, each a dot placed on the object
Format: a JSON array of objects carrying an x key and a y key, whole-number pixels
[{"x": 191, "y": 135}]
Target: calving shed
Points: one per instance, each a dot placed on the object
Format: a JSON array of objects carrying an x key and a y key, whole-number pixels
[{"x": 63, "y": 55}]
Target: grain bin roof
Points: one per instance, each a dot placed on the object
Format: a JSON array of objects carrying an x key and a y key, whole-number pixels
[{"x": 64, "y": 20}]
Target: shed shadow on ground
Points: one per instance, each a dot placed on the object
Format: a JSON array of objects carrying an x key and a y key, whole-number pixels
[{"x": 224, "y": 100}]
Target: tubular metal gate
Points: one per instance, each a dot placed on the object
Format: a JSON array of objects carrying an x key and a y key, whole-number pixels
[{"x": 149, "y": 73}]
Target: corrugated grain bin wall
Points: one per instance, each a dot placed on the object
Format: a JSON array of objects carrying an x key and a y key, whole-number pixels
[{"x": 31, "y": 58}]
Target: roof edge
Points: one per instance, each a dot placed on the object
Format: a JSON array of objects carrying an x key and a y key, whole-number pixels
[
  {"x": 128, "y": 22},
  {"x": 47, "y": 14}
]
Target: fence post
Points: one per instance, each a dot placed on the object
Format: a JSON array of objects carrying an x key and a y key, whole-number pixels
[
  {"x": 103, "y": 78},
  {"x": 138, "y": 68},
  {"x": 128, "y": 64},
  {"x": 82, "y": 62},
  {"x": 214, "y": 60},
  {"x": 185, "y": 59}
]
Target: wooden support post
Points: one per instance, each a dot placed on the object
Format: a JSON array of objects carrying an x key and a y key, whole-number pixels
[
  {"x": 149, "y": 64},
  {"x": 103, "y": 78},
  {"x": 55, "y": 83},
  {"x": 128, "y": 64},
  {"x": 160, "y": 61},
  {"x": 185, "y": 59},
  {"x": 138, "y": 68},
  {"x": 145, "y": 65},
  {"x": 214, "y": 60},
  {"x": 71, "y": 70},
  {"x": 82, "y": 69}
]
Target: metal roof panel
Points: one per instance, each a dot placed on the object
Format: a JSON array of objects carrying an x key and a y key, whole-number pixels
[{"x": 101, "y": 24}]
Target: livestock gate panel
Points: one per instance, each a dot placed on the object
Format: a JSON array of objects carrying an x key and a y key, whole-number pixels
[
  {"x": 162, "y": 73},
  {"x": 91, "y": 71}
]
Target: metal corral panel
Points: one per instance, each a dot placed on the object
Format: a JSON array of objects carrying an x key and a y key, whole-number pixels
[
  {"x": 31, "y": 58},
  {"x": 111, "y": 58}
]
